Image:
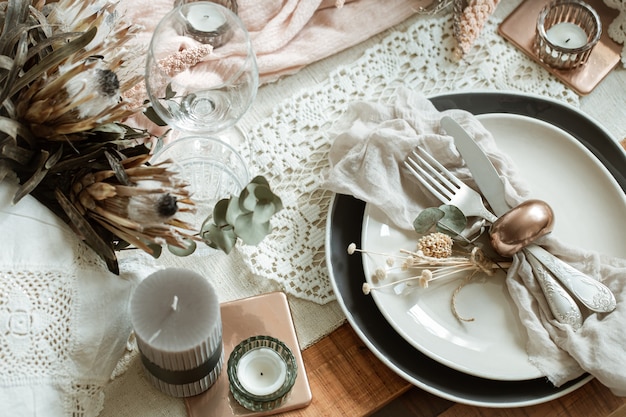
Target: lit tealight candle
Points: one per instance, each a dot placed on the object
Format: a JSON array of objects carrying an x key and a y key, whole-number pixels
[
  {"x": 205, "y": 18},
  {"x": 567, "y": 31},
  {"x": 567, "y": 35},
  {"x": 176, "y": 317},
  {"x": 261, "y": 371}
]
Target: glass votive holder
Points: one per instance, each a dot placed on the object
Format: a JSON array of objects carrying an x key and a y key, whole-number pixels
[
  {"x": 567, "y": 31},
  {"x": 262, "y": 371},
  {"x": 211, "y": 168}
]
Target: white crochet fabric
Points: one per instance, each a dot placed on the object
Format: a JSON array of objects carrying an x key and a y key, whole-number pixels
[
  {"x": 291, "y": 147},
  {"x": 617, "y": 29},
  {"x": 63, "y": 317}
]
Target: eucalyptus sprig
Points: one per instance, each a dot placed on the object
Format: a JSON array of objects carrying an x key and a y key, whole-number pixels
[
  {"x": 246, "y": 217},
  {"x": 450, "y": 220},
  {"x": 446, "y": 219}
]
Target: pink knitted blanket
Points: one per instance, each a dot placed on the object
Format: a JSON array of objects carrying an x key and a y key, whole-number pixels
[{"x": 290, "y": 34}]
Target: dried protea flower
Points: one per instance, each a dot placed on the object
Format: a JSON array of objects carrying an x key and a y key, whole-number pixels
[
  {"x": 436, "y": 245},
  {"x": 140, "y": 207},
  {"x": 97, "y": 89}
]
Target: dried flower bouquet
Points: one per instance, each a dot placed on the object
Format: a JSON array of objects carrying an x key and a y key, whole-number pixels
[{"x": 64, "y": 68}]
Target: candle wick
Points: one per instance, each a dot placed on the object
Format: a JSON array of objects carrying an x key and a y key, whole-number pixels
[
  {"x": 175, "y": 303},
  {"x": 567, "y": 40}
]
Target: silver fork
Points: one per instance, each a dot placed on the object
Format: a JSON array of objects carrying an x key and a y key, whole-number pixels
[{"x": 448, "y": 189}]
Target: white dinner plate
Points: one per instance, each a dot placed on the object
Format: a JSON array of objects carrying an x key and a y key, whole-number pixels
[{"x": 589, "y": 208}]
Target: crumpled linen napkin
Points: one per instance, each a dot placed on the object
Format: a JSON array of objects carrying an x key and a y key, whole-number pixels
[{"x": 370, "y": 142}]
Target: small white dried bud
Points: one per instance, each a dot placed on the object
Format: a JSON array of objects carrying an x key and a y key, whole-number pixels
[
  {"x": 390, "y": 261},
  {"x": 380, "y": 274},
  {"x": 366, "y": 288},
  {"x": 351, "y": 248},
  {"x": 425, "y": 277}
]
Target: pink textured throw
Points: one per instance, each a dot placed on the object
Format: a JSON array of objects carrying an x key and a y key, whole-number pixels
[{"x": 290, "y": 34}]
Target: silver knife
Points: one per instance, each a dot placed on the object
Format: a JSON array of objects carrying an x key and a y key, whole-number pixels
[{"x": 592, "y": 293}]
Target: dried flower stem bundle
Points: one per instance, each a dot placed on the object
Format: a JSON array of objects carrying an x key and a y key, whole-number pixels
[{"x": 430, "y": 262}]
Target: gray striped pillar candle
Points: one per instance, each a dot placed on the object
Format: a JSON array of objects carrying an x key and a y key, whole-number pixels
[{"x": 176, "y": 317}]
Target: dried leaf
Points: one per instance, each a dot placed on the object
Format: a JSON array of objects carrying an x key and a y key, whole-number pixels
[
  {"x": 120, "y": 173},
  {"x": 53, "y": 59},
  {"x": 31, "y": 183},
  {"x": 18, "y": 62},
  {"x": 89, "y": 234}
]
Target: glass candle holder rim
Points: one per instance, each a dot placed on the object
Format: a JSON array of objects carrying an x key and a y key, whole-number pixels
[
  {"x": 285, "y": 353},
  {"x": 204, "y": 138},
  {"x": 541, "y": 29}
]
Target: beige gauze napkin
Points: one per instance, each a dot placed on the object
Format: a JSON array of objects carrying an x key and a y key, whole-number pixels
[{"x": 371, "y": 140}]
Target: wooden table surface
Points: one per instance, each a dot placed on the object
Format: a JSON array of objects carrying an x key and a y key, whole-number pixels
[{"x": 348, "y": 380}]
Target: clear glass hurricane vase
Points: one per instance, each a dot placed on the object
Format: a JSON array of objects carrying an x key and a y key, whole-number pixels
[{"x": 201, "y": 70}]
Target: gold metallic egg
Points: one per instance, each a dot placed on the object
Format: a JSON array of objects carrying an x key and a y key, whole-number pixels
[{"x": 521, "y": 226}]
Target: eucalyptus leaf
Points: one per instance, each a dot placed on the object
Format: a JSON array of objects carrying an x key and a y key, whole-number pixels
[
  {"x": 427, "y": 219},
  {"x": 247, "y": 198},
  {"x": 186, "y": 251},
  {"x": 245, "y": 217},
  {"x": 264, "y": 212},
  {"x": 260, "y": 180},
  {"x": 219, "y": 213},
  {"x": 169, "y": 92},
  {"x": 223, "y": 238},
  {"x": 154, "y": 117},
  {"x": 156, "y": 250},
  {"x": 234, "y": 210},
  {"x": 251, "y": 232},
  {"x": 263, "y": 194},
  {"x": 453, "y": 221}
]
